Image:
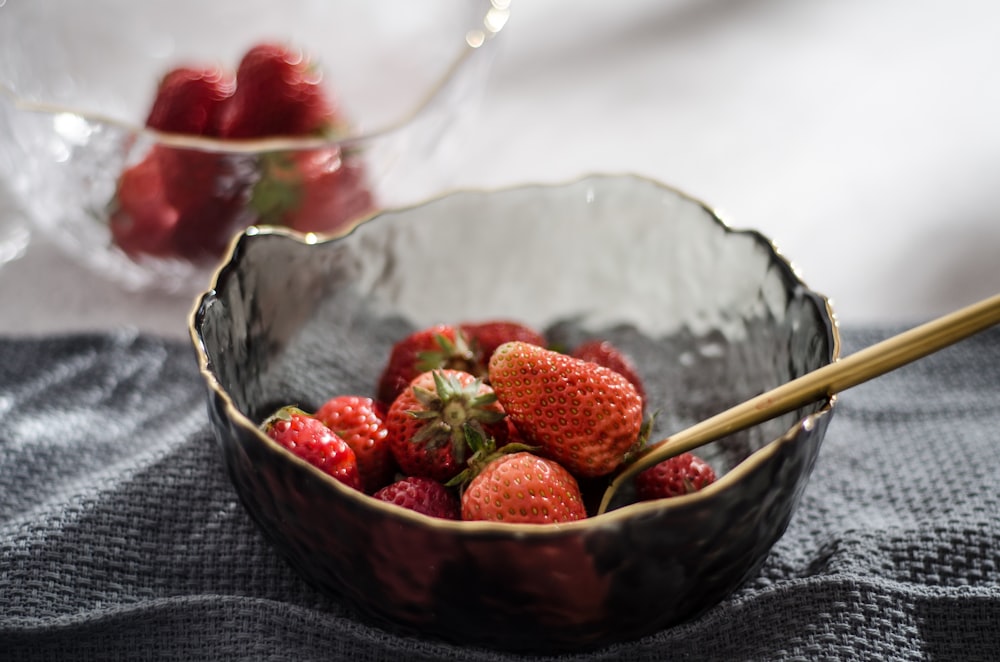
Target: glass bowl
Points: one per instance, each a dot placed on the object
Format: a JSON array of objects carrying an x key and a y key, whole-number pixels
[
  {"x": 77, "y": 82},
  {"x": 711, "y": 315}
]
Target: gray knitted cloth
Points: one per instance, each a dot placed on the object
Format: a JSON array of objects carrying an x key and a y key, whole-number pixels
[{"x": 121, "y": 538}]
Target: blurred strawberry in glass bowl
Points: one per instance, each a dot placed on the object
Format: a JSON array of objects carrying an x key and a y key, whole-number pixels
[
  {"x": 144, "y": 157},
  {"x": 187, "y": 202}
]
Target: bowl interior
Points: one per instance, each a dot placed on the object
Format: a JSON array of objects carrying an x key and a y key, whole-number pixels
[{"x": 712, "y": 316}]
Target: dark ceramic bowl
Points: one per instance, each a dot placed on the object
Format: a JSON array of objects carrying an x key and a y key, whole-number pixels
[{"x": 712, "y": 315}]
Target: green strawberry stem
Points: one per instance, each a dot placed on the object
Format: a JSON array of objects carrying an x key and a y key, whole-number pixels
[
  {"x": 484, "y": 451},
  {"x": 456, "y": 355},
  {"x": 278, "y": 189},
  {"x": 283, "y": 414},
  {"x": 641, "y": 441},
  {"x": 450, "y": 409}
]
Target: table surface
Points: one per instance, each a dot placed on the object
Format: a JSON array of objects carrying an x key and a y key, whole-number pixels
[{"x": 860, "y": 136}]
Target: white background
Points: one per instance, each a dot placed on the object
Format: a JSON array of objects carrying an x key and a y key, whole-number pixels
[{"x": 863, "y": 136}]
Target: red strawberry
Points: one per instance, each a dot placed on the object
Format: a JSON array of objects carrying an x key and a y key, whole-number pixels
[
  {"x": 427, "y": 422},
  {"x": 484, "y": 337},
  {"x": 604, "y": 353},
  {"x": 278, "y": 93},
  {"x": 189, "y": 100},
  {"x": 467, "y": 347},
  {"x": 209, "y": 191},
  {"x": 315, "y": 443},
  {"x": 422, "y": 495},
  {"x": 583, "y": 415},
  {"x": 682, "y": 474},
  {"x": 360, "y": 422},
  {"x": 202, "y": 186},
  {"x": 141, "y": 220},
  {"x": 523, "y": 488},
  {"x": 438, "y": 346},
  {"x": 318, "y": 190}
]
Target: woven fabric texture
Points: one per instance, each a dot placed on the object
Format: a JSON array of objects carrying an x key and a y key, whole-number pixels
[{"x": 121, "y": 537}]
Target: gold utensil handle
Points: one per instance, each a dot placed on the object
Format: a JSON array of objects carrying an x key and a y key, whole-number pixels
[{"x": 824, "y": 382}]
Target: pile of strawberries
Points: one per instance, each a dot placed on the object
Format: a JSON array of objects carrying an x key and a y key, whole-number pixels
[
  {"x": 188, "y": 203},
  {"x": 482, "y": 421}
]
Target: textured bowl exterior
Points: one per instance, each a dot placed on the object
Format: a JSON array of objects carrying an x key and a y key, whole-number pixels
[{"x": 712, "y": 315}]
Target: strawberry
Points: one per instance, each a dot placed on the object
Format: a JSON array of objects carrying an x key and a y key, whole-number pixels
[
  {"x": 202, "y": 186},
  {"x": 484, "y": 337},
  {"x": 317, "y": 190},
  {"x": 467, "y": 347},
  {"x": 209, "y": 191},
  {"x": 360, "y": 422},
  {"x": 308, "y": 438},
  {"x": 189, "y": 100},
  {"x": 681, "y": 474},
  {"x": 427, "y": 422},
  {"x": 141, "y": 220},
  {"x": 583, "y": 415},
  {"x": 422, "y": 495},
  {"x": 604, "y": 353},
  {"x": 523, "y": 488},
  {"x": 278, "y": 93},
  {"x": 431, "y": 348}
]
